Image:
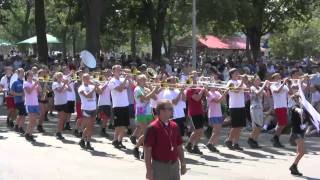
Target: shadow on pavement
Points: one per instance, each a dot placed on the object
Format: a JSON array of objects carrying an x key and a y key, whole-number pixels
[
  {"x": 104, "y": 154},
  {"x": 258, "y": 155},
  {"x": 3, "y": 138},
  {"x": 309, "y": 178},
  {"x": 195, "y": 162},
  {"x": 40, "y": 144}
]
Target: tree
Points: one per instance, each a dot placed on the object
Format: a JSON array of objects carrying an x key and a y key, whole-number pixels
[
  {"x": 153, "y": 14},
  {"x": 254, "y": 18},
  {"x": 40, "y": 24},
  {"x": 92, "y": 11}
]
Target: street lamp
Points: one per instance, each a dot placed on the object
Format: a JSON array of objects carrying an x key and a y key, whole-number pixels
[{"x": 194, "y": 33}]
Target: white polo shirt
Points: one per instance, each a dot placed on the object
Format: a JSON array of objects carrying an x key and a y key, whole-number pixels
[
  {"x": 236, "y": 99},
  {"x": 87, "y": 103},
  {"x": 105, "y": 96},
  {"x": 59, "y": 98},
  {"x": 119, "y": 99},
  {"x": 280, "y": 100}
]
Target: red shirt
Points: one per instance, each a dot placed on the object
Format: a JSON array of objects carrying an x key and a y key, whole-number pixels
[
  {"x": 161, "y": 139},
  {"x": 194, "y": 107}
]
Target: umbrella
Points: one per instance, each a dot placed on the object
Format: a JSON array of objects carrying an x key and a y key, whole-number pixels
[
  {"x": 33, "y": 40},
  {"x": 4, "y": 43}
]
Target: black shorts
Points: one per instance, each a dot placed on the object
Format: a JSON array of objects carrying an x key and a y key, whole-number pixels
[
  {"x": 198, "y": 121},
  {"x": 121, "y": 116},
  {"x": 21, "y": 109},
  {"x": 61, "y": 108},
  {"x": 295, "y": 136},
  {"x": 70, "y": 107},
  {"x": 105, "y": 109},
  {"x": 180, "y": 123},
  {"x": 238, "y": 117},
  {"x": 88, "y": 113},
  {"x": 131, "y": 111}
]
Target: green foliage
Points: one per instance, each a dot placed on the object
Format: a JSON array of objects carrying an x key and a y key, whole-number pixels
[{"x": 300, "y": 40}]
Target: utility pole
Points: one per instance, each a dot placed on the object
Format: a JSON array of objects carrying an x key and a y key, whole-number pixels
[{"x": 194, "y": 34}]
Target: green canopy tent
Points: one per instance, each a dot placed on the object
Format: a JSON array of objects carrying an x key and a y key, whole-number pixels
[
  {"x": 33, "y": 40},
  {"x": 4, "y": 43}
]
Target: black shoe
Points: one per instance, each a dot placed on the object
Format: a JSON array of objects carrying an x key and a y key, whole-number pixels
[
  {"x": 228, "y": 144},
  {"x": 212, "y": 148},
  {"x": 196, "y": 150},
  {"x": 136, "y": 153},
  {"x": 16, "y": 128},
  {"x": 129, "y": 132},
  {"x": 29, "y": 138},
  {"x": 40, "y": 129},
  {"x": 122, "y": 146},
  {"x": 21, "y": 131},
  {"x": 133, "y": 140},
  {"x": 278, "y": 144},
  {"x": 116, "y": 144},
  {"x": 51, "y": 114},
  {"x": 89, "y": 147},
  {"x": 67, "y": 126},
  {"x": 59, "y": 136},
  {"x": 237, "y": 147},
  {"x": 82, "y": 144},
  {"x": 189, "y": 147},
  {"x": 252, "y": 143},
  {"x": 142, "y": 155},
  {"x": 294, "y": 170},
  {"x": 11, "y": 124},
  {"x": 80, "y": 134}
]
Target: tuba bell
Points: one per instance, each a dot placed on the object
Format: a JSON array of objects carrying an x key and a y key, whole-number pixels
[{"x": 151, "y": 73}]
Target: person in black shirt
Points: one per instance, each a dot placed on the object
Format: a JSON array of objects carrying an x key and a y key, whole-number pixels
[{"x": 298, "y": 130}]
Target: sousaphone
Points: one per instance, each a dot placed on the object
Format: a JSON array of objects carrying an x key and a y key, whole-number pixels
[{"x": 88, "y": 59}]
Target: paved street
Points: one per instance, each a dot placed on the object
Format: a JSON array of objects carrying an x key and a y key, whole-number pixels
[{"x": 51, "y": 159}]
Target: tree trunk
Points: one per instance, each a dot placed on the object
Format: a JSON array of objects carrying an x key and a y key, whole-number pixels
[
  {"x": 40, "y": 24},
  {"x": 133, "y": 41},
  {"x": 74, "y": 38},
  {"x": 156, "y": 47},
  {"x": 64, "y": 42},
  {"x": 254, "y": 36},
  {"x": 92, "y": 19}
]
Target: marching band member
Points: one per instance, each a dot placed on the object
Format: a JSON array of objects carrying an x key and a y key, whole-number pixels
[
  {"x": 236, "y": 109},
  {"x": 17, "y": 92},
  {"x": 5, "y": 85},
  {"x": 71, "y": 97},
  {"x": 143, "y": 110},
  {"x": 60, "y": 88},
  {"x": 280, "y": 98},
  {"x": 256, "y": 110},
  {"x": 195, "y": 112},
  {"x": 215, "y": 117},
  {"x": 120, "y": 105},
  {"x": 87, "y": 92},
  {"x": 43, "y": 101},
  {"x": 298, "y": 130},
  {"x": 79, "y": 117},
  {"x": 31, "y": 92},
  {"x": 104, "y": 102}
]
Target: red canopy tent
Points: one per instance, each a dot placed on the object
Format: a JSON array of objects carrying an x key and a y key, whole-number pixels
[{"x": 214, "y": 42}]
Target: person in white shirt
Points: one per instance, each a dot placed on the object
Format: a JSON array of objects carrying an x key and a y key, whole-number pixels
[
  {"x": 5, "y": 83},
  {"x": 31, "y": 91},
  {"x": 143, "y": 110},
  {"x": 280, "y": 104},
  {"x": 120, "y": 105},
  {"x": 71, "y": 96},
  {"x": 104, "y": 102},
  {"x": 60, "y": 88},
  {"x": 236, "y": 108},
  {"x": 87, "y": 92}
]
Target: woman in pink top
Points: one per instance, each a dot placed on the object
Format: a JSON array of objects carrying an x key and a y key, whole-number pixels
[
  {"x": 215, "y": 118},
  {"x": 31, "y": 91}
]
